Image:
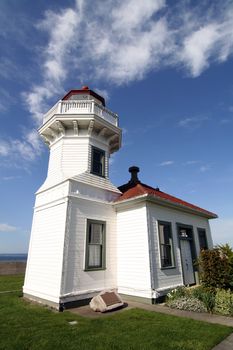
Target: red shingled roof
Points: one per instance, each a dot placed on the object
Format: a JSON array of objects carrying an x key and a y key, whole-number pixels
[{"x": 140, "y": 189}]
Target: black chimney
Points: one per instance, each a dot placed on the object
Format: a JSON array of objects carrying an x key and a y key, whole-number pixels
[{"x": 134, "y": 170}]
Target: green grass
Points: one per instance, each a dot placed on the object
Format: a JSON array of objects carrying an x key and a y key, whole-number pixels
[
  {"x": 26, "y": 326},
  {"x": 13, "y": 282}
]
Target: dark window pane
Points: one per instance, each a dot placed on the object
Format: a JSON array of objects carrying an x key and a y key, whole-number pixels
[
  {"x": 202, "y": 239},
  {"x": 98, "y": 160},
  {"x": 166, "y": 249},
  {"x": 166, "y": 257}
]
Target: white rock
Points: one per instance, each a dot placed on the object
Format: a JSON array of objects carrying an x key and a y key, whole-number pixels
[{"x": 106, "y": 300}]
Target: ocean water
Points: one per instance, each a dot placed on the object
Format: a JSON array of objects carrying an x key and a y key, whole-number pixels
[{"x": 13, "y": 257}]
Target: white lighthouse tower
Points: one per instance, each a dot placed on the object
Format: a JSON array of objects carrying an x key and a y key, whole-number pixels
[{"x": 73, "y": 235}]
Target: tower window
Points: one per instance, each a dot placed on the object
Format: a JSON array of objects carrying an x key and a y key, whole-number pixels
[
  {"x": 98, "y": 162},
  {"x": 95, "y": 245}
]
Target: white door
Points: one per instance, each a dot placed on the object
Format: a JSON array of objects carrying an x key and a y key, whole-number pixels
[{"x": 187, "y": 263}]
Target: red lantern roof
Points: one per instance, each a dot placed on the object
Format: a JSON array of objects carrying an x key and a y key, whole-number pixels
[{"x": 84, "y": 91}]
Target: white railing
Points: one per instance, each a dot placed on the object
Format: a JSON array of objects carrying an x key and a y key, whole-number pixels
[{"x": 83, "y": 107}]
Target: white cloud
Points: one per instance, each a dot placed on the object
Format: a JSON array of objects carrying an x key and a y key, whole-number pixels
[
  {"x": 191, "y": 162},
  {"x": 167, "y": 162},
  {"x": 204, "y": 168},
  {"x": 120, "y": 41},
  {"x": 27, "y": 149},
  {"x": 4, "y": 148},
  {"x": 103, "y": 93},
  {"x": 192, "y": 122},
  {"x": 132, "y": 40},
  {"x": 197, "y": 48},
  {"x": 7, "y": 228},
  {"x": 9, "y": 178}
]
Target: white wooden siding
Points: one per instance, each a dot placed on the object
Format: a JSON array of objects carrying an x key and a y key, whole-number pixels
[
  {"x": 71, "y": 156},
  {"x": 76, "y": 281},
  {"x": 54, "y": 193},
  {"x": 44, "y": 266},
  {"x": 166, "y": 278},
  {"x": 133, "y": 266},
  {"x": 95, "y": 182}
]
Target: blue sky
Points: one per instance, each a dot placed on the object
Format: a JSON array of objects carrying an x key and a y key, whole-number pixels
[{"x": 165, "y": 67}]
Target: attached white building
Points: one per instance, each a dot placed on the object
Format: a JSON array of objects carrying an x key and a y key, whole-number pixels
[{"x": 88, "y": 235}]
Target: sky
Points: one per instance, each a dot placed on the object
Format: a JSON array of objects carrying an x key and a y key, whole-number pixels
[{"x": 165, "y": 67}]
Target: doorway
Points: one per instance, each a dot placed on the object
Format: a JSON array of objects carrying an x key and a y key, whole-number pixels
[{"x": 187, "y": 252}]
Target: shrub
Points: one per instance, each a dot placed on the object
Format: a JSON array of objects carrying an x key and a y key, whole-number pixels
[
  {"x": 177, "y": 293},
  {"x": 214, "y": 268},
  {"x": 224, "y": 302},
  {"x": 187, "y": 303},
  {"x": 208, "y": 299},
  {"x": 197, "y": 292},
  {"x": 226, "y": 250}
]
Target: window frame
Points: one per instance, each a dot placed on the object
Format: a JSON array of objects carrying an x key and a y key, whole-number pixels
[
  {"x": 103, "y": 173},
  {"x": 199, "y": 230},
  {"x": 173, "y": 265},
  {"x": 103, "y": 255}
]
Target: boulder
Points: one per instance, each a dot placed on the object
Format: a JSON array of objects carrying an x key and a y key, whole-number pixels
[{"x": 106, "y": 300}]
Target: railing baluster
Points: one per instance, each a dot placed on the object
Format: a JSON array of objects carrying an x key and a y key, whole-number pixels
[{"x": 91, "y": 106}]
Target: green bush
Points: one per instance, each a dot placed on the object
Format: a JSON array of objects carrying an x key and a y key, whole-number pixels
[
  {"x": 197, "y": 292},
  {"x": 224, "y": 302},
  {"x": 177, "y": 293},
  {"x": 214, "y": 268},
  {"x": 208, "y": 300},
  {"x": 205, "y": 295},
  {"x": 228, "y": 252}
]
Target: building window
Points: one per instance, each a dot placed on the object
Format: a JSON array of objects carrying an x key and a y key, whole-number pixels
[
  {"x": 166, "y": 244},
  {"x": 202, "y": 239},
  {"x": 95, "y": 245},
  {"x": 98, "y": 162}
]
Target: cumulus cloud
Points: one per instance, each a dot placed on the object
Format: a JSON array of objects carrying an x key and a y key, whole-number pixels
[
  {"x": 27, "y": 148},
  {"x": 132, "y": 40},
  {"x": 167, "y": 162},
  {"x": 204, "y": 168},
  {"x": 7, "y": 228},
  {"x": 121, "y": 41},
  {"x": 192, "y": 122}
]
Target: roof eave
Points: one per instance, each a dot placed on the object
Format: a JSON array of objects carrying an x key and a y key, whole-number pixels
[{"x": 163, "y": 202}]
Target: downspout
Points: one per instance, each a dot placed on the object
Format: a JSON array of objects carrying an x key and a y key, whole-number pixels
[{"x": 150, "y": 241}]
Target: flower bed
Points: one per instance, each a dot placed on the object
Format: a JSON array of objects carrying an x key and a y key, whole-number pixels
[{"x": 201, "y": 299}]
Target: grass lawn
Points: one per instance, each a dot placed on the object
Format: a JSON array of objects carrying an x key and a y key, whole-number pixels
[{"x": 26, "y": 326}]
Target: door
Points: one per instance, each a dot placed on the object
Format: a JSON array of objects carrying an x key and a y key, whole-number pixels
[{"x": 187, "y": 263}]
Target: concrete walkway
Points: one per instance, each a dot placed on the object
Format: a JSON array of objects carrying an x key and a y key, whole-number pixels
[{"x": 227, "y": 344}]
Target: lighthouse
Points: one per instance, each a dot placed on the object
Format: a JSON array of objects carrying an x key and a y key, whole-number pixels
[
  {"x": 88, "y": 235},
  {"x": 73, "y": 238}
]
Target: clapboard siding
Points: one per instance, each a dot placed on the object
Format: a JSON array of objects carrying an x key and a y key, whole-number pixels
[
  {"x": 133, "y": 252},
  {"x": 52, "y": 194},
  {"x": 44, "y": 265},
  {"x": 166, "y": 278},
  {"x": 54, "y": 168},
  {"x": 75, "y": 279},
  {"x": 96, "y": 182},
  {"x": 75, "y": 156},
  {"x": 72, "y": 156}
]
